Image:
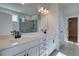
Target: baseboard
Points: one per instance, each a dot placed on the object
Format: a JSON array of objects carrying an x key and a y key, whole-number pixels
[{"x": 72, "y": 42}]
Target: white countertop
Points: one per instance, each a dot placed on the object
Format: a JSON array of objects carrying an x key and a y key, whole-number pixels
[{"x": 9, "y": 41}]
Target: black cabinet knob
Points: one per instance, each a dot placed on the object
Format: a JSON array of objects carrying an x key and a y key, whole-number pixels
[{"x": 27, "y": 54}]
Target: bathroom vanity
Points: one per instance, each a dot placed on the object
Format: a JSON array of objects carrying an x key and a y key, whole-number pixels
[
  {"x": 43, "y": 45},
  {"x": 24, "y": 31}
]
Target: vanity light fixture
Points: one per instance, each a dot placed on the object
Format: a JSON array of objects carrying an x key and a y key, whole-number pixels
[{"x": 43, "y": 10}]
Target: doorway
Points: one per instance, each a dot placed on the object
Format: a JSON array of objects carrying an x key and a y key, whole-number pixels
[{"x": 72, "y": 29}]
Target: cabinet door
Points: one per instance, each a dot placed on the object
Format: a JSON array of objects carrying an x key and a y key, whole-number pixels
[
  {"x": 34, "y": 51},
  {"x": 51, "y": 45},
  {"x": 24, "y": 53},
  {"x": 30, "y": 52},
  {"x": 21, "y": 54}
]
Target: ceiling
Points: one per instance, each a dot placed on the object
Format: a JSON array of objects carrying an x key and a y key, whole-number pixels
[
  {"x": 20, "y": 8},
  {"x": 32, "y": 8},
  {"x": 70, "y": 8}
]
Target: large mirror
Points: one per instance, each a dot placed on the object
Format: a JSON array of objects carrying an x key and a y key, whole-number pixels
[
  {"x": 20, "y": 17},
  {"x": 26, "y": 24}
]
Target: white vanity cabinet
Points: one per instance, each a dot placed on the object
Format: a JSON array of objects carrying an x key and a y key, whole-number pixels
[
  {"x": 40, "y": 47},
  {"x": 47, "y": 46},
  {"x": 30, "y": 52},
  {"x": 33, "y": 49},
  {"x": 25, "y": 49}
]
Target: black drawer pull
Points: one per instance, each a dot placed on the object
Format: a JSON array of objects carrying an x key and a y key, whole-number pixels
[{"x": 24, "y": 55}]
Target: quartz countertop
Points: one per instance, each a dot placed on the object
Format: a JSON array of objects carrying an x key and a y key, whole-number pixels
[{"x": 9, "y": 41}]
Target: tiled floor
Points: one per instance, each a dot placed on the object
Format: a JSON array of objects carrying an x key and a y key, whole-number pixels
[
  {"x": 54, "y": 53},
  {"x": 68, "y": 50},
  {"x": 57, "y": 53}
]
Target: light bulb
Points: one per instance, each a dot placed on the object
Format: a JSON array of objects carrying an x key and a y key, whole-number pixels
[
  {"x": 41, "y": 8},
  {"x": 47, "y": 12}
]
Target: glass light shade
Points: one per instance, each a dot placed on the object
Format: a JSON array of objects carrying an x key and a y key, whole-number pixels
[
  {"x": 41, "y": 8},
  {"x": 47, "y": 11}
]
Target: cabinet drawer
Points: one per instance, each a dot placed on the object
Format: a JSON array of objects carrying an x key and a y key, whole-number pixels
[
  {"x": 45, "y": 53},
  {"x": 43, "y": 40},
  {"x": 43, "y": 44},
  {"x": 42, "y": 50}
]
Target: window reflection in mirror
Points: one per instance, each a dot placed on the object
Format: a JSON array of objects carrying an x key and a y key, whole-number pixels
[{"x": 25, "y": 24}]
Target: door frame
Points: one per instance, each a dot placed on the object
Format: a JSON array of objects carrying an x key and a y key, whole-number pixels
[
  {"x": 68, "y": 31},
  {"x": 73, "y": 19}
]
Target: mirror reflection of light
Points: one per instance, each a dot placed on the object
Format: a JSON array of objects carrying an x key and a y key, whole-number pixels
[
  {"x": 23, "y": 19},
  {"x": 14, "y": 18}
]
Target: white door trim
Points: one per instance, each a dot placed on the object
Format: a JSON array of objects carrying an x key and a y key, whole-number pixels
[{"x": 77, "y": 29}]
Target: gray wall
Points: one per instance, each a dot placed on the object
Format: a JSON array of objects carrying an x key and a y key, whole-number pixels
[{"x": 5, "y": 23}]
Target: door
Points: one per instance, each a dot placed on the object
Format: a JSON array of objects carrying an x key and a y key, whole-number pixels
[{"x": 72, "y": 29}]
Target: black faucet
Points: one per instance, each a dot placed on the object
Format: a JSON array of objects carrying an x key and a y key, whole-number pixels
[
  {"x": 16, "y": 34},
  {"x": 44, "y": 31}
]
